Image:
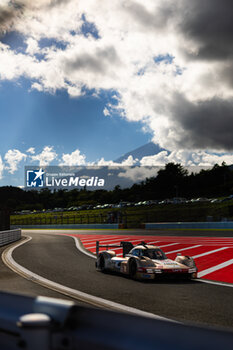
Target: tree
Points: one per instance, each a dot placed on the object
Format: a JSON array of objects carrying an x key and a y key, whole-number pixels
[{"x": 170, "y": 181}]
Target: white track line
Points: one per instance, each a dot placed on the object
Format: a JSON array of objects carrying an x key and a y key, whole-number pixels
[
  {"x": 209, "y": 252},
  {"x": 167, "y": 245},
  {"x": 87, "y": 298},
  {"x": 221, "y": 284},
  {"x": 101, "y": 239},
  {"x": 215, "y": 268},
  {"x": 80, "y": 247},
  {"x": 180, "y": 250}
]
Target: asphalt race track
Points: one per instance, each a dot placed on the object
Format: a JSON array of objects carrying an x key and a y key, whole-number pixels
[
  {"x": 10, "y": 282},
  {"x": 56, "y": 258}
]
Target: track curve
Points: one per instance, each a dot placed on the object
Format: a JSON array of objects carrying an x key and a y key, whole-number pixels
[{"x": 56, "y": 258}]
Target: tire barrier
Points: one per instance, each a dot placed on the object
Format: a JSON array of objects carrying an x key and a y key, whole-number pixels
[{"x": 10, "y": 236}]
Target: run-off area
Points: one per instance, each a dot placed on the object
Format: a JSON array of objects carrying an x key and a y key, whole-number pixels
[{"x": 213, "y": 256}]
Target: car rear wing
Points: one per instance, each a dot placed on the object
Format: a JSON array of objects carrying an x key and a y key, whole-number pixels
[{"x": 126, "y": 247}]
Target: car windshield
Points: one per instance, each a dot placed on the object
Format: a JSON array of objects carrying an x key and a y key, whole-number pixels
[{"x": 154, "y": 254}]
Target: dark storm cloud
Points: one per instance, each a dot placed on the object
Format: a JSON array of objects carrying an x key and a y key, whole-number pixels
[
  {"x": 15, "y": 8},
  {"x": 8, "y": 14},
  {"x": 226, "y": 74},
  {"x": 146, "y": 19},
  {"x": 209, "y": 23},
  {"x": 55, "y": 3},
  {"x": 206, "y": 25},
  {"x": 207, "y": 124},
  {"x": 97, "y": 63}
]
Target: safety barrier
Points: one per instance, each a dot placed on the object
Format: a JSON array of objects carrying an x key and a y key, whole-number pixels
[
  {"x": 222, "y": 225},
  {"x": 70, "y": 226},
  {"x": 10, "y": 236},
  {"x": 51, "y": 324},
  {"x": 68, "y": 219}
]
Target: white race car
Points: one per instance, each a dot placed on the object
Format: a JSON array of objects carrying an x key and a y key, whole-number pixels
[{"x": 144, "y": 261}]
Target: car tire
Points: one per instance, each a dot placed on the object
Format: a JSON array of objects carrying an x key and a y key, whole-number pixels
[
  {"x": 102, "y": 263},
  {"x": 132, "y": 269}
]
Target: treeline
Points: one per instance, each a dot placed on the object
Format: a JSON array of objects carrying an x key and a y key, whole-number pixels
[{"x": 172, "y": 181}]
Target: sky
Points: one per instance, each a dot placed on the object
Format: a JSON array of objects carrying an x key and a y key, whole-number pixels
[{"x": 83, "y": 82}]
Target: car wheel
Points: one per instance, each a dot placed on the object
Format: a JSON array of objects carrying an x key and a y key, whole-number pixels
[
  {"x": 132, "y": 269},
  {"x": 102, "y": 263}
]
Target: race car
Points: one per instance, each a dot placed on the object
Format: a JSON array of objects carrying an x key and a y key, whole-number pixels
[{"x": 144, "y": 261}]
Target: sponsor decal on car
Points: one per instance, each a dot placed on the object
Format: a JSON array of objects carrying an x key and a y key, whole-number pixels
[
  {"x": 167, "y": 262},
  {"x": 146, "y": 275}
]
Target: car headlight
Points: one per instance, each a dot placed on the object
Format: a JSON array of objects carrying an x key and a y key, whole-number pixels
[
  {"x": 158, "y": 271},
  {"x": 192, "y": 270},
  {"x": 149, "y": 270}
]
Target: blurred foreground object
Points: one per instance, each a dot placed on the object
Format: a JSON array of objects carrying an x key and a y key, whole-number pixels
[{"x": 46, "y": 323}]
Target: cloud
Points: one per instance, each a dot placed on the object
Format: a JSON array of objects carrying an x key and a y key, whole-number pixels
[
  {"x": 96, "y": 62},
  {"x": 47, "y": 156},
  {"x": 31, "y": 150},
  {"x": 130, "y": 161},
  {"x": 187, "y": 158},
  {"x": 137, "y": 174},
  {"x": 14, "y": 11},
  {"x": 8, "y": 13},
  {"x": 150, "y": 18},
  {"x": 106, "y": 112},
  {"x": 32, "y": 46},
  {"x": 185, "y": 101},
  {"x": 73, "y": 159},
  {"x": 205, "y": 124},
  {"x": 209, "y": 25},
  {"x": 13, "y": 158},
  {"x": 137, "y": 169},
  {"x": 1, "y": 168},
  {"x": 157, "y": 159}
]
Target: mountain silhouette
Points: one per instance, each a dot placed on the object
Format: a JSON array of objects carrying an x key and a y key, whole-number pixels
[{"x": 148, "y": 149}]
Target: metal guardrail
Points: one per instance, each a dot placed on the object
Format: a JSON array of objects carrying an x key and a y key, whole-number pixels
[
  {"x": 222, "y": 225},
  {"x": 10, "y": 236},
  {"x": 51, "y": 324}
]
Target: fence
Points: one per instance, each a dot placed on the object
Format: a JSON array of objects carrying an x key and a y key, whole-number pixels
[
  {"x": 63, "y": 219},
  {"x": 10, "y": 236}
]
